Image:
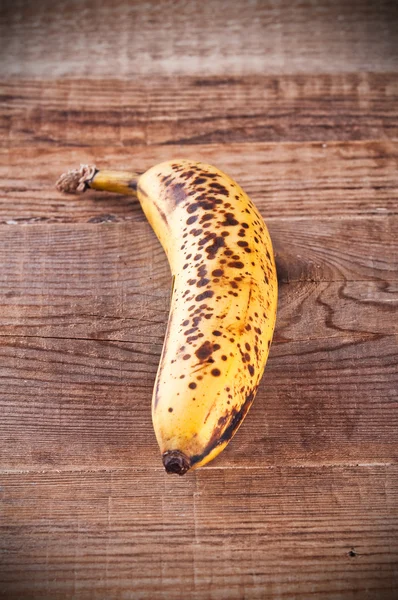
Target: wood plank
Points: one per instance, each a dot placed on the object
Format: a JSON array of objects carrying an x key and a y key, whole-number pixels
[
  {"x": 85, "y": 404},
  {"x": 104, "y": 266},
  {"x": 83, "y": 315},
  {"x": 112, "y": 281},
  {"x": 282, "y": 36},
  {"x": 330, "y": 533},
  {"x": 192, "y": 110},
  {"x": 286, "y": 179}
]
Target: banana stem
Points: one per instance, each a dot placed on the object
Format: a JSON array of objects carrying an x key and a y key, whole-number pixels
[{"x": 88, "y": 176}]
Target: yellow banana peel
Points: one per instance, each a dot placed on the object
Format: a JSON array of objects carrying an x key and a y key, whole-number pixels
[{"x": 223, "y": 305}]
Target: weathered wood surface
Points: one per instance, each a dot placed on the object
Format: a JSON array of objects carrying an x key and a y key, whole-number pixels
[
  {"x": 192, "y": 110},
  {"x": 298, "y": 102},
  {"x": 83, "y": 316},
  {"x": 313, "y": 179},
  {"x": 84, "y": 403},
  {"x": 92, "y": 38},
  {"x": 281, "y": 532},
  {"x": 349, "y": 249}
]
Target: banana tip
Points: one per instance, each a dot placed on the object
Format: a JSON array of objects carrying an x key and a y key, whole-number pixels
[{"x": 176, "y": 462}]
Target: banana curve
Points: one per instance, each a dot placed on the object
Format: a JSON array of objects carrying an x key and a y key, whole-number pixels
[{"x": 222, "y": 312}]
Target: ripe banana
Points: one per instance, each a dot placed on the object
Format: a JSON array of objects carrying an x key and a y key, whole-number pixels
[{"x": 223, "y": 305}]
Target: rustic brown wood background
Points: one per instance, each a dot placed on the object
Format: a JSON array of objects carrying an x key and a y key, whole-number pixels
[{"x": 298, "y": 101}]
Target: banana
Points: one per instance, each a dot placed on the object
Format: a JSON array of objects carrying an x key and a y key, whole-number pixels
[{"x": 223, "y": 305}]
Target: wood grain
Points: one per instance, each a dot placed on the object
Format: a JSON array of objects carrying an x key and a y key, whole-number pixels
[
  {"x": 193, "y": 110},
  {"x": 277, "y": 533},
  {"x": 308, "y": 179},
  {"x": 90, "y": 38}
]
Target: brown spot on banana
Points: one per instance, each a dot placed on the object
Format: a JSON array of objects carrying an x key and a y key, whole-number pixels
[{"x": 224, "y": 275}]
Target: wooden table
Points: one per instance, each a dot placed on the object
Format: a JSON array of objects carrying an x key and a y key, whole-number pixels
[{"x": 298, "y": 102}]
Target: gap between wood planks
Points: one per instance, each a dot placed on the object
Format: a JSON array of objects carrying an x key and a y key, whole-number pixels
[
  {"x": 360, "y": 335},
  {"x": 283, "y": 466},
  {"x": 118, "y": 219}
]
